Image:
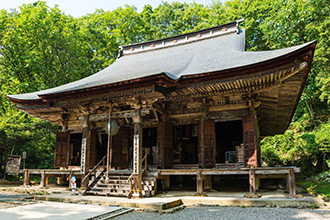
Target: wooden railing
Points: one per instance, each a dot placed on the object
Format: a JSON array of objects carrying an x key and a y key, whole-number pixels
[{"x": 95, "y": 169}]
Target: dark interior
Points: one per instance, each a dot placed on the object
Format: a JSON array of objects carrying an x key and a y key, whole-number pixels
[
  {"x": 149, "y": 143},
  {"x": 75, "y": 148},
  {"x": 186, "y": 144},
  {"x": 229, "y": 134},
  {"x": 230, "y": 183}
]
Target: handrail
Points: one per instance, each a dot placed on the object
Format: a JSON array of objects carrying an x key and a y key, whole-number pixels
[{"x": 94, "y": 168}]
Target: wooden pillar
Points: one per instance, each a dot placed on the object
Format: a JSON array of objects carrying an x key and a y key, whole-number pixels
[
  {"x": 137, "y": 156},
  {"x": 292, "y": 182},
  {"x": 252, "y": 181},
  {"x": 109, "y": 148},
  {"x": 85, "y": 148},
  {"x": 42, "y": 180},
  {"x": 26, "y": 178},
  {"x": 199, "y": 182}
]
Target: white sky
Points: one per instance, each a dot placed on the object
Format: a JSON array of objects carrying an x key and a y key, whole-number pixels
[{"x": 78, "y": 8}]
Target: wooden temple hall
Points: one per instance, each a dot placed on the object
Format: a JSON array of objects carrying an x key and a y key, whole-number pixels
[{"x": 180, "y": 111}]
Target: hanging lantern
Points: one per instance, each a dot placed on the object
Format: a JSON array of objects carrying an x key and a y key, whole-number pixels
[{"x": 113, "y": 126}]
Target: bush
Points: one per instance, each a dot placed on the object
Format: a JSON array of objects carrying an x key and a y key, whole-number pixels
[{"x": 306, "y": 149}]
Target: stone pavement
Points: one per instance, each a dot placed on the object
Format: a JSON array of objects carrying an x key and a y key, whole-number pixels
[
  {"x": 172, "y": 200},
  {"x": 56, "y": 210}
]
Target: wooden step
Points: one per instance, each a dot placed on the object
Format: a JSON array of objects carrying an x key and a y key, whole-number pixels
[{"x": 119, "y": 185}]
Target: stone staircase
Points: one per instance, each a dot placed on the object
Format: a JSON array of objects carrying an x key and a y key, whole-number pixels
[{"x": 119, "y": 185}]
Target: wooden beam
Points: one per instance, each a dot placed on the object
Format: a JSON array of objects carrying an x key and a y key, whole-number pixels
[
  {"x": 121, "y": 114},
  {"x": 231, "y": 107}
]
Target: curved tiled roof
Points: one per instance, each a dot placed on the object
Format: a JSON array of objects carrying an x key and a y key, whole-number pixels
[{"x": 214, "y": 49}]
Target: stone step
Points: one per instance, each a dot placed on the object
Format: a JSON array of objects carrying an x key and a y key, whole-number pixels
[
  {"x": 118, "y": 192},
  {"x": 126, "y": 187},
  {"x": 113, "y": 181},
  {"x": 111, "y": 215},
  {"x": 121, "y": 194}
]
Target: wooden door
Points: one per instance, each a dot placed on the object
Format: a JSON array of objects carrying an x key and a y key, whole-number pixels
[
  {"x": 206, "y": 143},
  {"x": 250, "y": 141},
  {"x": 120, "y": 148},
  {"x": 62, "y": 149},
  {"x": 165, "y": 145},
  {"x": 93, "y": 149}
]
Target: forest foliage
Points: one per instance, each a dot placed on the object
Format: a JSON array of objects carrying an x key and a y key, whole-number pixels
[{"x": 42, "y": 47}]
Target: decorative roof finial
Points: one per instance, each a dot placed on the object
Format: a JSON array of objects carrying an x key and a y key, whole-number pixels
[
  {"x": 237, "y": 24},
  {"x": 120, "y": 52}
]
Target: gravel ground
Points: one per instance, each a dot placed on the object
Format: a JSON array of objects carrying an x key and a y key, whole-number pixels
[
  {"x": 10, "y": 199},
  {"x": 233, "y": 213}
]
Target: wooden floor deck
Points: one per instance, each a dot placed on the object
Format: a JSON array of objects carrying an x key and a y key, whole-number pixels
[
  {"x": 46, "y": 173},
  {"x": 203, "y": 175}
]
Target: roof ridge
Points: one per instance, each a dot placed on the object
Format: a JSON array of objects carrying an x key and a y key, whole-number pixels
[{"x": 223, "y": 29}]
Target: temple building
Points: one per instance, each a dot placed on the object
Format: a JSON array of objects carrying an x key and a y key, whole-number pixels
[{"x": 196, "y": 105}]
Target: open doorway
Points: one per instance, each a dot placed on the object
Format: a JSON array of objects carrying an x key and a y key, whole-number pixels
[
  {"x": 185, "y": 144},
  {"x": 229, "y": 134},
  {"x": 75, "y": 148},
  {"x": 149, "y": 143}
]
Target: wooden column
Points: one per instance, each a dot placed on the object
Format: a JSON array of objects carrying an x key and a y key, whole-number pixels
[
  {"x": 137, "y": 156},
  {"x": 42, "y": 180},
  {"x": 199, "y": 182},
  {"x": 26, "y": 178},
  {"x": 85, "y": 148},
  {"x": 109, "y": 148},
  {"x": 292, "y": 182},
  {"x": 252, "y": 181}
]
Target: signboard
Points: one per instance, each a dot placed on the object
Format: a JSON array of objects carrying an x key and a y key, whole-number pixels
[
  {"x": 13, "y": 164},
  {"x": 136, "y": 155},
  {"x": 83, "y": 155}
]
